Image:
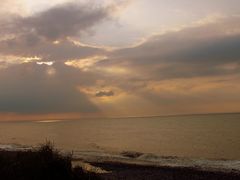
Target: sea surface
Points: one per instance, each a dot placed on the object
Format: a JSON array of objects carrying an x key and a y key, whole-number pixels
[{"x": 189, "y": 139}]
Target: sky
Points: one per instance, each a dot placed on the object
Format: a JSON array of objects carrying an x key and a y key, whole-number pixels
[{"x": 115, "y": 58}]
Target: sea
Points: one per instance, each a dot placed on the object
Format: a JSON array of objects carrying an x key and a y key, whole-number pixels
[{"x": 206, "y": 141}]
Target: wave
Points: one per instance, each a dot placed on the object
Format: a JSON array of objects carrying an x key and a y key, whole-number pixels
[{"x": 14, "y": 147}]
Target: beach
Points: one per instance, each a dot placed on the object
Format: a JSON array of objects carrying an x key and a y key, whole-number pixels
[{"x": 58, "y": 166}]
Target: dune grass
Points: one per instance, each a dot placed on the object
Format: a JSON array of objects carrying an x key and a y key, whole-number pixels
[{"x": 43, "y": 163}]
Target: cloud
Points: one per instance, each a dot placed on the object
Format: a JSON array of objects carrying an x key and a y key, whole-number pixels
[
  {"x": 30, "y": 88},
  {"x": 179, "y": 71},
  {"x": 37, "y": 34},
  {"x": 12, "y": 7},
  {"x": 59, "y": 22},
  {"x": 158, "y": 75},
  {"x": 35, "y": 46},
  {"x": 103, "y": 93},
  {"x": 203, "y": 51},
  {"x": 187, "y": 53},
  {"x": 65, "y": 20}
]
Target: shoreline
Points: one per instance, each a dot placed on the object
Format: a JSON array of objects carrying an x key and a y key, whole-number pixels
[
  {"x": 113, "y": 170},
  {"x": 138, "y": 158}
]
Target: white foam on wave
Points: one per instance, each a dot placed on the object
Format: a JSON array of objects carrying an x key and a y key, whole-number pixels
[
  {"x": 14, "y": 147},
  {"x": 188, "y": 162},
  {"x": 6, "y": 146}
]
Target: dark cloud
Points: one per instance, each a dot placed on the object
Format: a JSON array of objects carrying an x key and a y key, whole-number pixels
[
  {"x": 34, "y": 35},
  {"x": 65, "y": 20},
  {"x": 191, "y": 52},
  {"x": 32, "y": 45},
  {"x": 30, "y": 88},
  {"x": 103, "y": 93}
]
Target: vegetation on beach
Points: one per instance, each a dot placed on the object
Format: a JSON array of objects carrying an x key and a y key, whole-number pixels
[{"x": 44, "y": 162}]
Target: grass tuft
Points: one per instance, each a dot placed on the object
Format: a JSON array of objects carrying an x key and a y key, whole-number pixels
[{"x": 43, "y": 163}]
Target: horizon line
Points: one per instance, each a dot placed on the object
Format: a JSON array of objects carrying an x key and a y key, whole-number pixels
[{"x": 124, "y": 117}]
